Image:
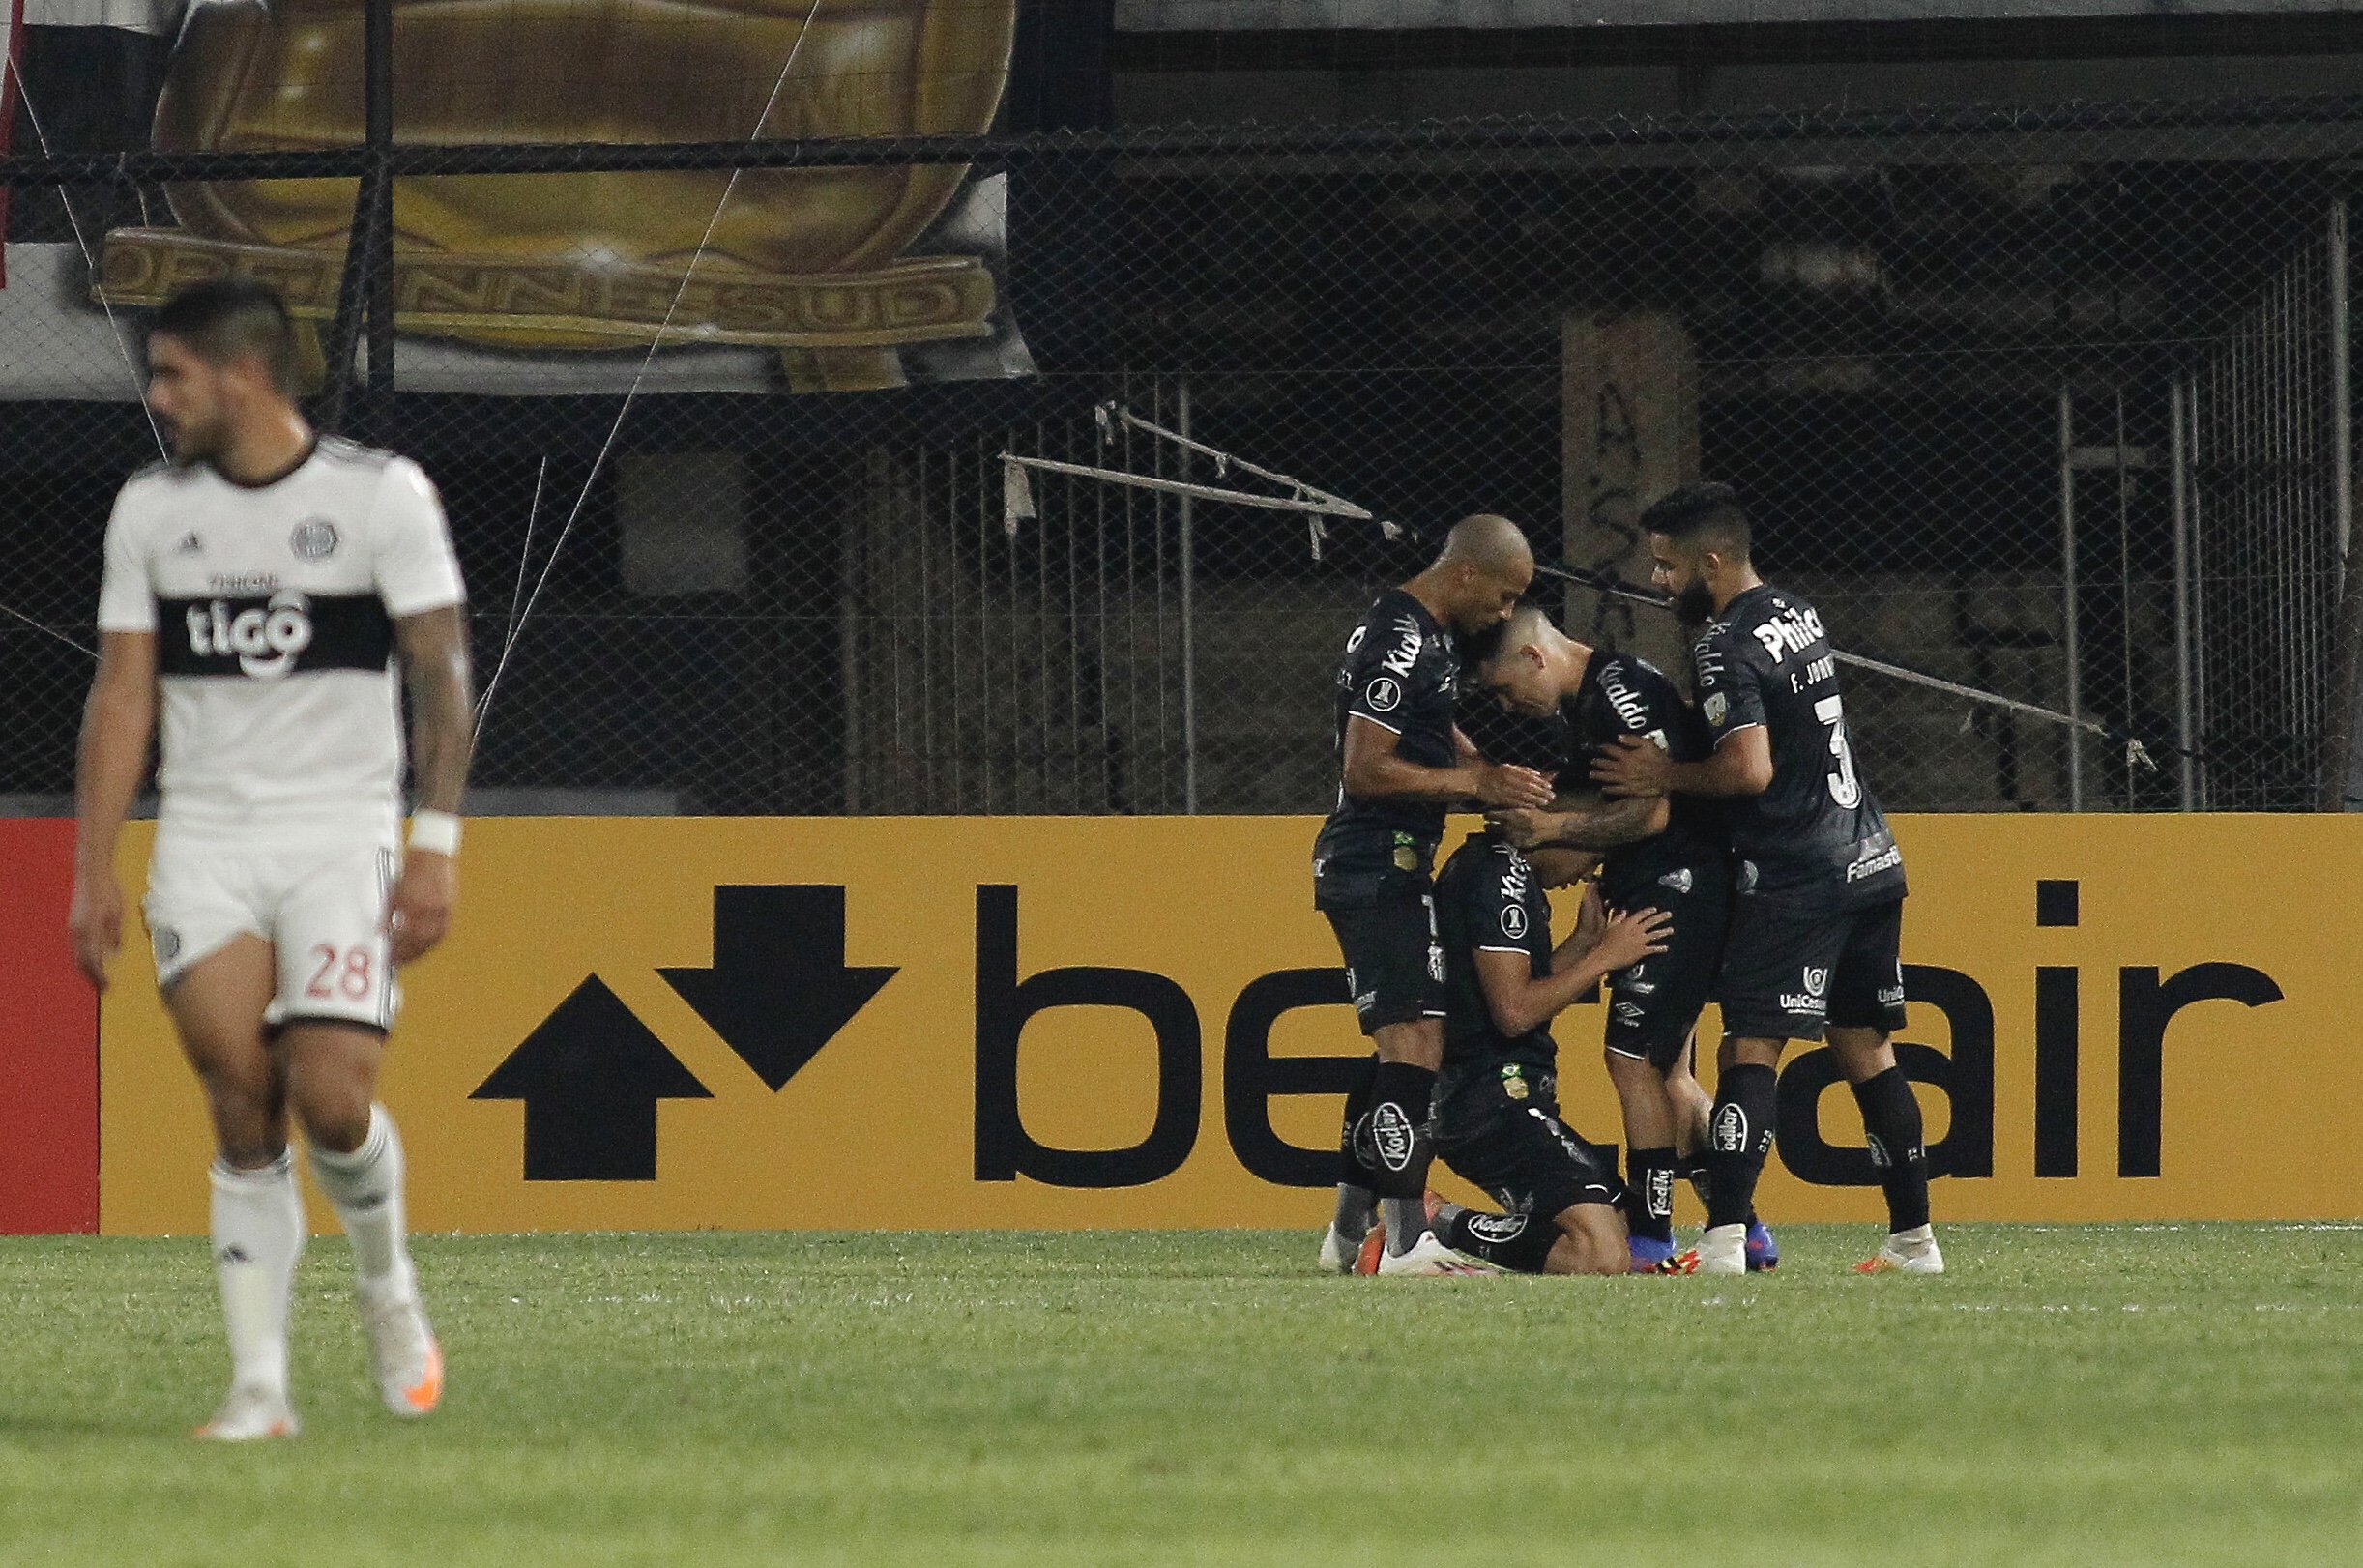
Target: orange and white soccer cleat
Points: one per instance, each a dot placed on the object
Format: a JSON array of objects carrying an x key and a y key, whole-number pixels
[
  {"x": 249, "y": 1415},
  {"x": 1429, "y": 1258},
  {"x": 404, "y": 1355},
  {"x": 1913, "y": 1252}
]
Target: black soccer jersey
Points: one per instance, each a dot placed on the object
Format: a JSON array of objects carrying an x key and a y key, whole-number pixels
[
  {"x": 1487, "y": 900},
  {"x": 1818, "y": 831},
  {"x": 1621, "y": 694},
  {"x": 1398, "y": 673}
]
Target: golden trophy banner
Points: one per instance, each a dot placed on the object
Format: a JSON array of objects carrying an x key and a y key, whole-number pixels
[{"x": 845, "y": 277}]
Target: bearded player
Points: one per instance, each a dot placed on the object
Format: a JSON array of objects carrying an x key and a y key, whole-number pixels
[
  {"x": 1818, "y": 905},
  {"x": 1401, "y": 763},
  {"x": 260, "y": 589}
]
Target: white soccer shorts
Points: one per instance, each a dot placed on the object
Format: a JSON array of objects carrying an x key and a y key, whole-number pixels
[{"x": 319, "y": 902}]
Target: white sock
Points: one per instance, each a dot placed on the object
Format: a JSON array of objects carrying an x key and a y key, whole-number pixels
[
  {"x": 1919, "y": 1238},
  {"x": 258, "y": 1235},
  {"x": 366, "y": 1188}
]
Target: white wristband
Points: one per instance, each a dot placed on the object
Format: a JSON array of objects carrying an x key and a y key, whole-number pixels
[{"x": 435, "y": 831}]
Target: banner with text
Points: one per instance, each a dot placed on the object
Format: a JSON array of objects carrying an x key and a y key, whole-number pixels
[{"x": 926, "y": 1023}]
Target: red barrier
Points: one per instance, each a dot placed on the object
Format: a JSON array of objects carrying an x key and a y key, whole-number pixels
[{"x": 48, "y": 1040}]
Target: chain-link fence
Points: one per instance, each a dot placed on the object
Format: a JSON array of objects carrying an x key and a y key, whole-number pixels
[{"x": 2047, "y": 402}]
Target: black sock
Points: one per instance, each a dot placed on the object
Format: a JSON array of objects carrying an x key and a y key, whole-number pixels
[
  {"x": 1400, "y": 1095},
  {"x": 1520, "y": 1243},
  {"x": 1891, "y": 1115},
  {"x": 1648, "y": 1201},
  {"x": 1739, "y": 1137},
  {"x": 1356, "y": 1188}
]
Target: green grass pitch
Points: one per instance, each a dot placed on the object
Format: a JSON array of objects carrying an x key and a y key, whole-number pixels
[{"x": 2075, "y": 1395}]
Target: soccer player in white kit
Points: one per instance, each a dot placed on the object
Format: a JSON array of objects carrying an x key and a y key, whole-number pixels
[{"x": 261, "y": 588}]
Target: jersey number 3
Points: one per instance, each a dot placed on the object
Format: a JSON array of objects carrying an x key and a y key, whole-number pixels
[{"x": 1844, "y": 787}]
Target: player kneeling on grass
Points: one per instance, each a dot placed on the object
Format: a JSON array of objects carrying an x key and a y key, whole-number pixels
[
  {"x": 258, "y": 589},
  {"x": 1497, "y": 1106},
  {"x": 1667, "y": 851}
]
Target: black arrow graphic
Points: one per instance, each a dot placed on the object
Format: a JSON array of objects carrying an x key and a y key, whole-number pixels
[
  {"x": 779, "y": 988},
  {"x": 591, "y": 1076}
]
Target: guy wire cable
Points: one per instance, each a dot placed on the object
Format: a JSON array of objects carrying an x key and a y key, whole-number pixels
[
  {"x": 483, "y": 706},
  {"x": 1310, "y": 499},
  {"x": 2136, "y": 750},
  {"x": 10, "y": 66}
]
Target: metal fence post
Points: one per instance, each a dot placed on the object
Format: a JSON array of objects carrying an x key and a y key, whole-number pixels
[
  {"x": 2179, "y": 409},
  {"x": 2347, "y": 657},
  {"x": 1189, "y": 626},
  {"x": 378, "y": 189},
  {"x": 2069, "y": 637},
  {"x": 367, "y": 286}
]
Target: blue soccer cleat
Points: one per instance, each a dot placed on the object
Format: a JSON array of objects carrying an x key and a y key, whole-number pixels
[
  {"x": 1650, "y": 1257},
  {"x": 1763, "y": 1253}
]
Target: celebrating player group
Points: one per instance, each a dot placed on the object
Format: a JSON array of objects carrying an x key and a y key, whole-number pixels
[
  {"x": 1731, "y": 852},
  {"x": 265, "y": 584}
]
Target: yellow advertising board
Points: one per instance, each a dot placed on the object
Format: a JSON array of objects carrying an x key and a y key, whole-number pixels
[{"x": 926, "y": 1023}]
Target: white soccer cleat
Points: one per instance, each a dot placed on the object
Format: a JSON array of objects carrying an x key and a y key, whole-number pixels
[
  {"x": 251, "y": 1415},
  {"x": 1430, "y": 1259},
  {"x": 1338, "y": 1251},
  {"x": 1913, "y": 1252},
  {"x": 404, "y": 1355},
  {"x": 1724, "y": 1250}
]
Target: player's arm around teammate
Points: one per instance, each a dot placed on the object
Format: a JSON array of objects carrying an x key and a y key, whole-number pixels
[
  {"x": 1818, "y": 919},
  {"x": 1401, "y": 763},
  {"x": 1653, "y": 851}
]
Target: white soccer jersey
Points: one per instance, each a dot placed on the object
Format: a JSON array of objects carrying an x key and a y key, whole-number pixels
[{"x": 273, "y": 608}]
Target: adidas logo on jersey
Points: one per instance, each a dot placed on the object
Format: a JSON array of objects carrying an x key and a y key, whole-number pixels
[
  {"x": 265, "y": 638},
  {"x": 189, "y": 545}
]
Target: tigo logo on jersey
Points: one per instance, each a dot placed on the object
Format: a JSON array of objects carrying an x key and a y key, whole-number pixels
[{"x": 265, "y": 638}]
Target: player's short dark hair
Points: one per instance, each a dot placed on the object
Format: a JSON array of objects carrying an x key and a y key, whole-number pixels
[
  {"x": 1485, "y": 647},
  {"x": 1701, "y": 511},
  {"x": 226, "y": 318}
]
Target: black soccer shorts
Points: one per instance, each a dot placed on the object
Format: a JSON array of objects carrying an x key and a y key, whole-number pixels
[
  {"x": 1653, "y": 1006},
  {"x": 1790, "y": 975},
  {"x": 1499, "y": 1128},
  {"x": 1394, "y": 964}
]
